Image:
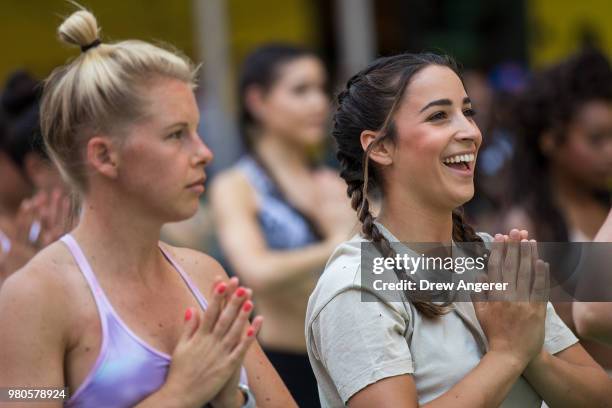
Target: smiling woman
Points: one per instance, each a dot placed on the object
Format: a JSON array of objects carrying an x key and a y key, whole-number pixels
[
  {"x": 113, "y": 314},
  {"x": 404, "y": 126}
]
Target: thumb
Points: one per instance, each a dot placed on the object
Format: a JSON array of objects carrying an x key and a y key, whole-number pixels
[{"x": 192, "y": 321}]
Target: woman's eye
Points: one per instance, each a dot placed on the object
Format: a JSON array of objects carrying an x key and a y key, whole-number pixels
[
  {"x": 469, "y": 112},
  {"x": 437, "y": 116},
  {"x": 176, "y": 135}
]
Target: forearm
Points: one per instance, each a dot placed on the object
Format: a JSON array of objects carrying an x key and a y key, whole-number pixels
[
  {"x": 264, "y": 381},
  {"x": 480, "y": 388},
  {"x": 164, "y": 398},
  {"x": 275, "y": 269},
  {"x": 593, "y": 320},
  {"x": 565, "y": 384}
]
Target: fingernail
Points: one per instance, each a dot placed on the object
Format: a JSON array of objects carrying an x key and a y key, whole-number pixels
[
  {"x": 221, "y": 288},
  {"x": 250, "y": 332},
  {"x": 188, "y": 314},
  {"x": 247, "y": 306},
  {"x": 240, "y": 292}
]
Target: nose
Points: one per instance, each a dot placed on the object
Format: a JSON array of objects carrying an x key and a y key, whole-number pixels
[
  {"x": 468, "y": 131},
  {"x": 202, "y": 155}
]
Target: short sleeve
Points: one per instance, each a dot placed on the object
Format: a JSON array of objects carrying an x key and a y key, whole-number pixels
[
  {"x": 360, "y": 343},
  {"x": 557, "y": 336}
]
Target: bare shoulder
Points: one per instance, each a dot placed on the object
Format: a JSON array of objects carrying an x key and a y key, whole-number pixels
[
  {"x": 231, "y": 186},
  {"x": 203, "y": 269},
  {"x": 41, "y": 290}
]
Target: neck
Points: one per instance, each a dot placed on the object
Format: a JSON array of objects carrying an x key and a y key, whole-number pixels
[
  {"x": 411, "y": 221},
  {"x": 119, "y": 236},
  {"x": 279, "y": 152}
]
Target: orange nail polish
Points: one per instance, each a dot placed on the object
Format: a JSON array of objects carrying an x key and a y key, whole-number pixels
[
  {"x": 250, "y": 332},
  {"x": 247, "y": 306},
  {"x": 188, "y": 314},
  {"x": 221, "y": 288},
  {"x": 240, "y": 292}
]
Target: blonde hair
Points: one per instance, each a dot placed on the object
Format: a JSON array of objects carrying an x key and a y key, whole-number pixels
[{"x": 99, "y": 91}]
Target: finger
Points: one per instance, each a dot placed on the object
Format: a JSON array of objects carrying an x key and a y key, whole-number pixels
[
  {"x": 192, "y": 320},
  {"x": 539, "y": 292},
  {"x": 247, "y": 339},
  {"x": 232, "y": 285},
  {"x": 23, "y": 220},
  {"x": 524, "y": 234},
  {"x": 511, "y": 261},
  {"x": 232, "y": 338},
  {"x": 54, "y": 208},
  {"x": 495, "y": 259},
  {"x": 211, "y": 315},
  {"x": 523, "y": 281},
  {"x": 231, "y": 311}
]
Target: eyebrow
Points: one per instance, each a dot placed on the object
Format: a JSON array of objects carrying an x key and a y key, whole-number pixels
[
  {"x": 443, "y": 102},
  {"x": 176, "y": 125}
]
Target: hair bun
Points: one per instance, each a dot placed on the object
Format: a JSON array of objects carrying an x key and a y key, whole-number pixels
[{"x": 80, "y": 29}]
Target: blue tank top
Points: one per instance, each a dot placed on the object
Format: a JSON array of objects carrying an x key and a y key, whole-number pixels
[{"x": 283, "y": 226}]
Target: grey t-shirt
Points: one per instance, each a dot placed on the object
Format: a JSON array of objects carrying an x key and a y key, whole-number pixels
[{"x": 352, "y": 344}]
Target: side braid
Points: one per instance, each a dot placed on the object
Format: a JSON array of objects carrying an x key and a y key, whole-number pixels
[{"x": 357, "y": 191}]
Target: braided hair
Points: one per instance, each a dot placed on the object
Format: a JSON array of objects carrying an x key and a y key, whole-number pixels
[{"x": 369, "y": 102}]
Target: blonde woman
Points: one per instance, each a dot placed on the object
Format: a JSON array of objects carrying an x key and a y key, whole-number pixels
[{"x": 101, "y": 312}]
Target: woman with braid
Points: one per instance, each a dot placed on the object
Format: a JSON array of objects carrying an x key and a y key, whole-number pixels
[{"x": 404, "y": 127}]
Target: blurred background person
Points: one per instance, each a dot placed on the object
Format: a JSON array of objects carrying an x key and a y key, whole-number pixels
[
  {"x": 278, "y": 215},
  {"x": 562, "y": 167},
  {"x": 34, "y": 208}
]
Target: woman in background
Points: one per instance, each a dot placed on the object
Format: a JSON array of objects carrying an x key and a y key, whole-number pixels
[
  {"x": 278, "y": 216},
  {"x": 34, "y": 208},
  {"x": 562, "y": 172}
]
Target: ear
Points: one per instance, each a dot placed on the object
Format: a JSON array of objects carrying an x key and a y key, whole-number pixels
[
  {"x": 103, "y": 156},
  {"x": 381, "y": 152},
  {"x": 255, "y": 101}
]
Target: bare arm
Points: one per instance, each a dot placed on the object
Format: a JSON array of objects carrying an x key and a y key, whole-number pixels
[
  {"x": 241, "y": 238},
  {"x": 32, "y": 322},
  {"x": 477, "y": 389},
  {"x": 264, "y": 381},
  {"x": 593, "y": 320},
  {"x": 570, "y": 378}
]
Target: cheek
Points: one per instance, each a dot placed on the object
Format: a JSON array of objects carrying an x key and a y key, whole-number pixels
[{"x": 420, "y": 152}]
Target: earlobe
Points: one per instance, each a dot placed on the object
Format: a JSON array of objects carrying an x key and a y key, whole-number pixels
[
  {"x": 380, "y": 151},
  {"x": 102, "y": 156}
]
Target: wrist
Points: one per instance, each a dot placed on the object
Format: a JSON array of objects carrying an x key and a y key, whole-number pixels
[
  {"x": 509, "y": 359},
  {"x": 235, "y": 399},
  {"x": 539, "y": 361}
]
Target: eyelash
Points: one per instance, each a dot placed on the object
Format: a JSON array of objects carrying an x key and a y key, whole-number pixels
[
  {"x": 442, "y": 115},
  {"x": 176, "y": 135}
]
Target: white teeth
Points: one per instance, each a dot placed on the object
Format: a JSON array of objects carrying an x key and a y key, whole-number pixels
[{"x": 460, "y": 158}]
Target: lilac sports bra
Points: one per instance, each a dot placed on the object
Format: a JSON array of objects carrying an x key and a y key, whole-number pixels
[{"x": 127, "y": 369}]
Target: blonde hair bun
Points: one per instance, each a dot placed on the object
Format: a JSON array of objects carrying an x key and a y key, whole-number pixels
[{"x": 80, "y": 28}]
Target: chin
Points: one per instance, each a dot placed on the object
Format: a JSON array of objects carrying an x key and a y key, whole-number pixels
[{"x": 462, "y": 196}]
